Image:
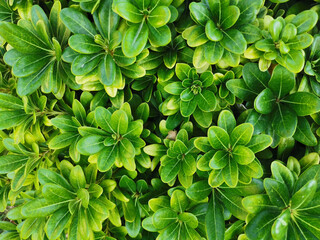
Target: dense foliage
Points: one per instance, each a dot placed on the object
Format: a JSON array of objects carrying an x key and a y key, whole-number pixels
[{"x": 159, "y": 119}]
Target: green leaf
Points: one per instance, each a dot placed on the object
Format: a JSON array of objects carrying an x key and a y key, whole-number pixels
[
  {"x": 21, "y": 39},
  {"x": 204, "y": 119},
  {"x": 108, "y": 19},
  {"x": 206, "y": 101},
  {"x": 63, "y": 140},
  {"x": 233, "y": 203},
  {"x": 260, "y": 225},
  {"x": 54, "y": 193},
  {"x": 283, "y": 174},
  {"x": 135, "y": 39},
  {"x": 119, "y": 122},
  {"x": 305, "y": 195},
  {"x": 163, "y": 218},
  {"x": 212, "y": 32},
  {"x": 103, "y": 117},
  {"x": 250, "y": 32},
  {"x": 174, "y": 88},
  {"x": 65, "y": 123},
  {"x": 239, "y": 88},
  {"x": 182, "y": 71},
  {"x": 257, "y": 203},
  {"x": 300, "y": 42},
  {"x": 29, "y": 64},
  {"x": 255, "y": 79},
  {"x": 219, "y": 160},
  {"x": 134, "y": 227},
  {"x": 275, "y": 29},
  {"x": 304, "y": 133},
  {"x": 249, "y": 10},
  {"x": 128, "y": 11},
  {"x": 310, "y": 173},
  {"x": 280, "y": 226},
  {"x": 277, "y": 192},
  {"x": 10, "y": 102},
  {"x": 188, "y": 107},
  {"x": 108, "y": 70},
  {"x": 265, "y": 102},
  {"x": 294, "y": 61},
  {"x": 213, "y": 52},
  {"x": 231, "y": 173},
  {"x": 155, "y": 150},
  {"x": 284, "y": 121},
  {"x": 218, "y": 138},
  {"x": 126, "y": 149},
  {"x": 234, "y": 41},
  {"x": 133, "y": 71},
  {"x": 229, "y": 16},
  {"x": 170, "y": 170},
  {"x": 127, "y": 184},
  {"x": 215, "y": 178},
  {"x": 84, "y": 44},
  {"x": 259, "y": 142},
  {"x": 303, "y": 103},
  {"x": 200, "y": 12},
  {"x": 305, "y": 21},
  {"x": 142, "y": 112},
  {"x": 57, "y": 223},
  {"x": 12, "y": 162},
  {"x": 77, "y": 22},
  {"x": 90, "y": 144},
  {"x": 40, "y": 208},
  {"x": 179, "y": 201},
  {"x": 243, "y": 155},
  {"x": 198, "y": 191},
  {"x": 226, "y": 121},
  {"x": 46, "y": 176},
  {"x": 259, "y": 121},
  {"x": 190, "y": 222},
  {"x": 10, "y": 119},
  {"x": 159, "y": 36},
  {"x": 31, "y": 83},
  {"x": 282, "y": 81},
  {"x": 159, "y": 17},
  {"x": 179, "y": 147},
  {"x": 214, "y": 220},
  {"x": 202, "y": 143},
  {"x": 77, "y": 177},
  {"x": 195, "y": 36},
  {"x": 85, "y": 63},
  {"x": 241, "y": 135}
]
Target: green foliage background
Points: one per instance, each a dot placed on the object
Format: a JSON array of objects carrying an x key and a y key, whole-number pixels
[{"x": 159, "y": 119}]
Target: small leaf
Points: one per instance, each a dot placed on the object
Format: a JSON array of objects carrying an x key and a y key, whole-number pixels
[
  {"x": 234, "y": 41},
  {"x": 218, "y": 138},
  {"x": 214, "y": 220},
  {"x": 277, "y": 192},
  {"x": 305, "y": 195},
  {"x": 241, "y": 135},
  {"x": 135, "y": 39},
  {"x": 163, "y": 218},
  {"x": 282, "y": 81}
]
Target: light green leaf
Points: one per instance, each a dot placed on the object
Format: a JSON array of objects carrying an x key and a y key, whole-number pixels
[
  {"x": 303, "y": 103},
  {"x": 234, "y": 41},
  {"x": 218, "y": 138},
  {"x": 90, "y": 144},
  {"x": 77, "y": 22},
  {"x": 135, "y": 39},
  {"x": 159, "y": 17}
]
